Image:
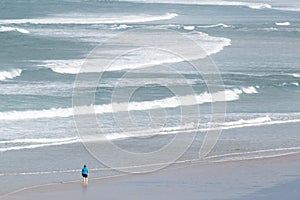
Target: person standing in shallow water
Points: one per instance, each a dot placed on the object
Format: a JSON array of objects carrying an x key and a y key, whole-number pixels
[{"x": 85, "y": 174}]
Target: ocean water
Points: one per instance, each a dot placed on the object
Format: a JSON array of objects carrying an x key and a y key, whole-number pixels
[{"x": 44, "y": 44}]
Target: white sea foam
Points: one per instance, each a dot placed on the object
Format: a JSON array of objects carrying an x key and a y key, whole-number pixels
[
  {"x": 90, "y": 19},
  {"x": 283, "y": 84},
  {"x": 210, "y": 44},
  {"x": 132, "y": 82},
  {"x": 249, "y": 121},
  {"x": 296, "y": 75},
  {"x": 151, "y": 132},
  {"x": 120, "y": 27},
  {"x": 136, "y": 61},
  {"x": 142, "y": 59},
  {"x": 283, "y": 23},
  {"x": 36, "y": 114},
  {"x": 8, "y": 29},
  {"x": 171, "y": 102},
  {"x": 268, "y": 29},
  {"x": 259, "y": 154},
  {"x": 215, "y": 25},
  {"x": 60, "y": 89},
  {"x": 249, "y": 90},
  {"x": 63, "y": 66},
  {"x": 208, "y": 2},
  {"x": 174, "y": 26},
  {"x": 253, "y": 122},
  {"x": 189, "y": 28},
  {"x": 187, "y": 128},
  {"x": 96, "y": 33},
  {"x": 40, "y": 144},
  {"x": 4, "y": 75},
  {"x": 290, "y": 84},
  {"x": 38, "y": 140},
  {"x": 254, "y": 152},
  {"x": 289, "y": 8},
  {"x": 191, "y": 127}
]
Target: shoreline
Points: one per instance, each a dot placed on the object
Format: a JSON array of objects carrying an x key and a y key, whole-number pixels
[{"x": 228, "y": 180}]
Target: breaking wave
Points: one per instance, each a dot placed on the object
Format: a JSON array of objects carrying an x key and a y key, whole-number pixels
[
  {"x": 8, "y": 29},
  {"x": 171, "y": 102},
  {"x": 4, "y": 75}
]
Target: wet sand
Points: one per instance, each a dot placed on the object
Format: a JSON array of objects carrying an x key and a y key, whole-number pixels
[{"x": 272, "y": 178}]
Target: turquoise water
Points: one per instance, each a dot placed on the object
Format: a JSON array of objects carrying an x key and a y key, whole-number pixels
[{"x": 44, "y": 43}]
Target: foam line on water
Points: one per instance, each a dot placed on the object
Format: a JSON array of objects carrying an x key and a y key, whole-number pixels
[
  {"x": 215, "y": 25},
  {"x": 257, "y": 157},
  {"x": 120, "y": 27},
  {"x": 255, "y": 122},
  {"x": 34, "y": 146},
  {"x": 150, "y": 132},
  {"x": 249, "y": 121},
  {"x": 90, "y": 19},
  {"x": 171, "y": 102},
  {"x": 40, "y": 89},
  {"x": 208, "y": 2},
  {"x": 292, "y": 8},
  {"x": 38, "y": 140},
  {"x": 259, "y": 154},
  {"x": 254, "y": 152},
  {"x": 189, "y": 128}
]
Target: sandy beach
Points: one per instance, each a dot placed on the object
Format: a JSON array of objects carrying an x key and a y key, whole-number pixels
[{"x": 272, "y": 178}]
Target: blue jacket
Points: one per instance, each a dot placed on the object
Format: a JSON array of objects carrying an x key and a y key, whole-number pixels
[{"x": 85, "y": 170}]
